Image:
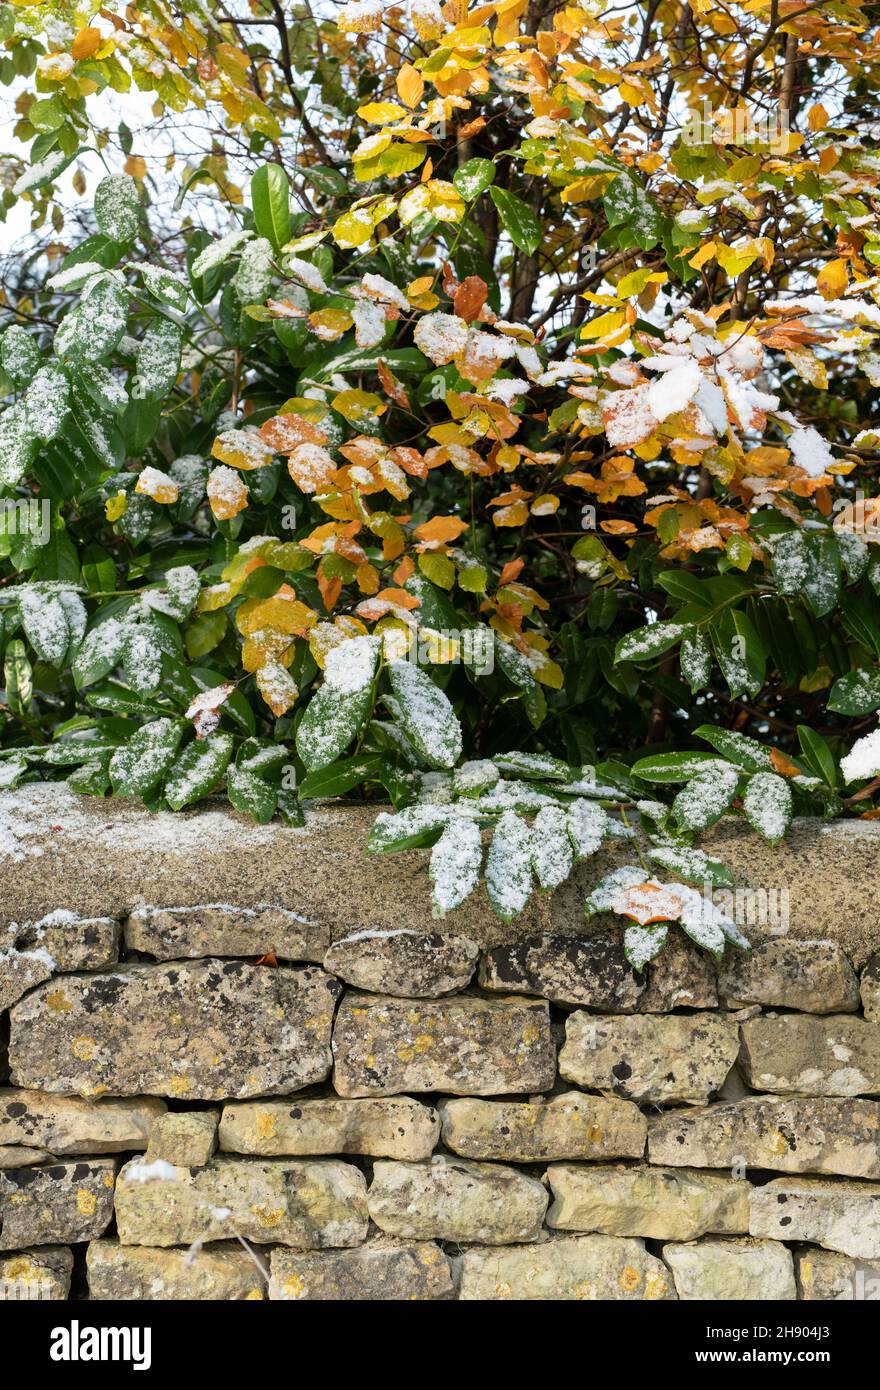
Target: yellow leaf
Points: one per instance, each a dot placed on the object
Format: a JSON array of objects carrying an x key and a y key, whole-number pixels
[
  {"x": 277, "y": 687},
  {"x": 817, "y": 117},
  {"x": 156, "y": 485},
  {"x": 410, "y": 85},
  {"x": 359, "y": 407},
  {"x": 115, "y": 506},
  {"x": 87, "y": 42},
  {"x": 242, "y": 449},
  {"x": 378, "y": 112},
  {"x": 516, "y": 514},
  {"x": 832, "y": 280},
  {"x": 605, "y": 323},
  {"x": 704, "y": 254},
  {"x": 636, "y": 281},
  {"x": 227, "y": 493},
  {"x": 136, "y": 165},
  {"x": 330, "y": 324}
]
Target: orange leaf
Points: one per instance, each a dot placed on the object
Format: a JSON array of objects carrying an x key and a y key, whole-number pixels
[
  {"x": 832, "y": 280},
  {"x": 648, "y": 902},
  {"x": 512, "y": 570},
  {"x": 269, "y": 958},
  {"x": 783, "y": 765},
  {"x": 284, "y": 432},
  {"x": 441, "y": 528},
  {"x": 87, "y": 42},
  {"x": 410, "y": 85}
]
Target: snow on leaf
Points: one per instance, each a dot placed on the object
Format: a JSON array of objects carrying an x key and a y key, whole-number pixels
[
  {"x": 350, "y": 667},
  {"x": 701, "y": 920},
  {"x": 141, "y": 658},
  {"x": 509, "y": 866},
  {"x": 198, "y": 769},
  {"x": 587, "y": 827},
  {"x": 277, "y": 687},
  {"x": 552, "y": 851},
  {"x": 331, "y": 720},
  {"x": 155, "y": 484},
  {"x": 692, "y": 864},
  {"x": 51, "y": 620},
  {"x": 99, "y": 652},
  {"x": 158, "y": 360},
  {"x": 604, "y": 892},
  {"x": 643, "y": 944},
  {"x": 411, "y": 828},
  {"x": 204, "y": 709},
  {"x": 863, "y": 759},
  {"x": 441, "y": 337},
  {"x": 253, "y": 277},
  {"x": 768, "y": 805},
  {"x": 475, "y": 777},
  {"x": 455, "y": 864},
  {"x": 426, "y": 716},
  {"x": 810, "y": 452},
  {"x": 117, "y": 206},
  {"x": 139, "y": 766},
  {"x": 216, "y": 252},
  {"x": 705, "y": 799},
  {"x": 537, "y": 765},
  {"x": 648, "y": 902}
]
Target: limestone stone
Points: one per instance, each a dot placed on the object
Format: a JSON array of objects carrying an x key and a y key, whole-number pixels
[
  {"x": 40, "y": 1274},
  {"x": 31, "y": 952},
  {"x": 404, "y": 962},
  {"x": 57, "y": 1203},
  {"x": 379, "y": 1271},
  {"x": 842, "y": 1216},
  {"x": 814, "y": 976},
  {"x": 70, "y": 1125},
  {"x": 146, "y": 1274},
  {"x": 306, "y": 1204},
  {"x": 649, "y": 1057},
  {"x": 589, "y": 970},
  {"x": 397, "y": 1127},
  {"x": 564, "y": 1268},
  {"x": 18, "y": 1156},
  {"x": 870, "y": 989},
  {"x": 799, "y": 1135},
  {"x": 682, "y": 977},
  {"x": 195, "y": 1030},
  {"x": 186, "y": 1138},
  {"x": 569, "y": 1125},
  {"x": 655, "y": 1203},
  {"x": 463, "y": 1045},
  {"x": 823, "y": 1275},
  {"x": 451, "y": 1199},
  {"x": 720, "y": 1270},
  {"x": 809, "y": 1055},
  {"x": 222, "y": 929}
]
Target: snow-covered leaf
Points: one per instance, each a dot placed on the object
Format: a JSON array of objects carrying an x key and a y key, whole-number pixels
[
  {"x": 705, "y": 799},
  {"x": 643, "y": 944},
  {"x": 768, "y": 806},
  {"x": 604, "y": 892},
  {"x": 533, "y": 765},
  {"x": 331, "y": 721},
  {"x": 117, "y": 207},
  {"x": 552, "y": 851},
  {"x": 198, "y": 769},
  {"x": 692, "y": 864},
  {"x": 509, "y": 866},
  {"x": 415, "y": 827},
  {"x": 139, "y": 766},
  {"x": 588, "y": 826},
  {"x": 455, "y": 864},
  {"x": 425, "y": 714}
]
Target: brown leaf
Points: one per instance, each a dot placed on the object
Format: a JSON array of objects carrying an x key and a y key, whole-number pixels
[
  {"x": 469, "y": 298},
  {"x": 269, "y": 958}
]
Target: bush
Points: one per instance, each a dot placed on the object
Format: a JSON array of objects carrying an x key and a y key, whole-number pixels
[{"x": 501, "y": 461}]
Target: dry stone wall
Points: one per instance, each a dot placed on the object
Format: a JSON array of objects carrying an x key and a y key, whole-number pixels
[{"x": 244, "y": 1099}]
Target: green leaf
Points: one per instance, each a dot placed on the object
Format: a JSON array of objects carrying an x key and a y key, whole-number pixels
[
  {"x": 537, "y": 766},
  {"x": 625, "y": 201},
  {"x": 473, "y": 178},
  {"x": 198, "y": 769},
  {"x": 425, "y": 715},
  {"x": 204, "y": 633},
  {"x": 691, "y": 864},
  {"x": 139, "y": 766},
  {"x": 415, "y": 827},
  {"x": 117, "y": 207},
  {"x": 674, "y": 767},
  {"x": 517, "y": 219},
  {"x": 509, "y": 867},
  {"x": 695, "y": 658},
  {"x": 340, "y": 777},
  {"x": 647, "y": 642},
  {"x": 740, "y": 653},
  {"x": 817, "y": 754},
  {"x": 747, "y": 753},
  {"x": 270, "y": 199},
  {"x": 331, "y": 721},
  {"x": 705, "y": 799},
  {"x": 768, "y": 805},
  {"x": 249, "y": 793},
  {"x": 858, "y": 692},
  {"x": 99, "y": 652},
  {"x": 17, "y": 676}
]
